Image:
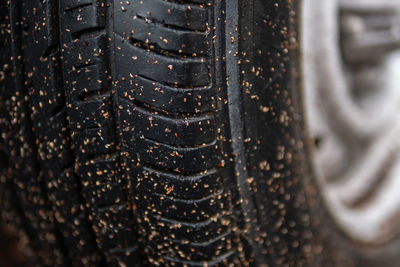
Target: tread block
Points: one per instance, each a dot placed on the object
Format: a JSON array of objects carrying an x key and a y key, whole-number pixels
[
  {"x": 184, "y": 209},
  {"x": 170, "y": 99},
  {"x": 174, "y": 158},
  {"x": 178, "y": 42},
  {"x": 91, "y": 142},
  {"x": 168, "y": 232},
  {"x": 133, "y": 60},
  {"x": 91, "y": 114},
  {"x": 189, "y": 131},
  {"x": 85, "y": 17},
  {"x": 84, "y": 52},
  {"x": 85, "y": 70},
  {"x": 186, "y": 187},
  {"x": 99, "y": 171},
  {"x": 87, "y": 82},
  {"x": 203, "y": 251}
]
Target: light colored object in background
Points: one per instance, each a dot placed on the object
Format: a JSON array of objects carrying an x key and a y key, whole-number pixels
[{"x": 351, "y": 74}]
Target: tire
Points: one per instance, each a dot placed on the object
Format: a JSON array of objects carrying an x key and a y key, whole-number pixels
[{"x": 158, "y": 133}]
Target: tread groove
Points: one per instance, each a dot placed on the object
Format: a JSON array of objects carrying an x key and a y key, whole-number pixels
[
  {"x": 72, "y": 8},
  {"x": 174, "y": 85},
  {"x": 89, "y": 33},
  {"x": 149, "y": 109},
  {"x": 163, "y": 53},
  {"x": 192, "y": 176},
  {"x": 169, "y": 26},
  {"x": 155, "y": 48}
]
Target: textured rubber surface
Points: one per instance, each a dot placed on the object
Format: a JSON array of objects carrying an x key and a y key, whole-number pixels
[
  {"x": 124, "y": 127},
  {"x": 153, "y": 132},
  {"x": 174, "y": 156},
  {"x": 62, "y": 205}
]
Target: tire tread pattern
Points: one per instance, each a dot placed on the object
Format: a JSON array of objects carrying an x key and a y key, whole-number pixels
[{"x": 167, "y": 99}]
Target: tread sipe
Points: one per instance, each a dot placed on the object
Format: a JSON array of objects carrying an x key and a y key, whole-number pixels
[{"x": 132, "y": 136}]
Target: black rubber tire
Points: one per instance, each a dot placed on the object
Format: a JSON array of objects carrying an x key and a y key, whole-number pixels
[{"x": 157, "y": 132}]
